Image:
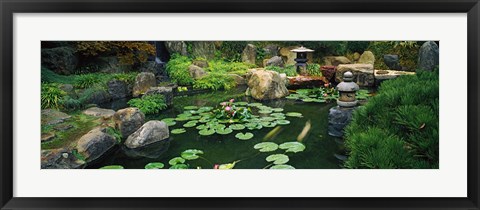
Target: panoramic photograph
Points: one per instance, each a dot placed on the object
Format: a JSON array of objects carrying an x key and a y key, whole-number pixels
[{"x": 240, "y": 104}]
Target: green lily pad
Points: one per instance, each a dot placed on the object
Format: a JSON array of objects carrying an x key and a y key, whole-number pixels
[
  {"x": 267, "y": 119},
  {"x": 179, "y": 166},
  {"x": 292, "y": 97},
  {"x": 196, "y": 117},
  {"x": 308, "y": 100},
  {"x": 265, "y": 111},
  {"x": 190, "y": 107},
  {"x": 206, "y": 132},
  {"x": 204, "y": 119},
  {"x": 170, "y": 123},
  {"x": 294, "y": 114},
  {"x": 257, "y": 126},
  {"x": 112, "y": 167},
  {"x": 292, "y": 146},
  {"x": 184, "y": 115},
  {"x": 227, "y": 165},
  {"x": 224, "y": 131},
  {"x": 266, "y": 146},
  {"x": 178, "y": 131},
  {"x": 201, "y": 127},
  {"x": 280, "y": 118},
  {"x": 277, "y": 109},
  {"x": 219, "y": 126},
  {"x": 176, "y": 160},
  {"x": 191, "y": 154},
  {"x": 282, "y": 166},
  {"x": 277, "y": 114},
  {"x": 237, "y": 127},
  {"x": 277, "y": 159},
  {"x": 182, "y": 118},
  {"x": 189, "y": 125},
  {"x": 241, "y": 103},
  {"x": 155, "y": 165},
  {"x": 255, "y": 104},
  {"x": 244, "y": 136},
  {"x": 282, "y": 122},
  {"x": 269, "y": 124}
]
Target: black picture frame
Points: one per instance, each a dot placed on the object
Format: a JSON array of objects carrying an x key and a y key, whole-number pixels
[{"x": 9, "y": 7}]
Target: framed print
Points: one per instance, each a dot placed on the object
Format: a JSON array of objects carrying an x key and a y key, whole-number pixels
[{"x": 363, "y": 104}]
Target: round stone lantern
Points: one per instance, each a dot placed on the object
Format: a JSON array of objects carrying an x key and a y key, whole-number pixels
[
  {"x": 301, "y": 59},
  {"x": 347, "y": 91}
]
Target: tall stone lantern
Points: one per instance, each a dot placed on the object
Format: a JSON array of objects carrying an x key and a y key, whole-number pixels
[
  {"x": 339, "y": 116},
  {"x": 301, "y": 59}
]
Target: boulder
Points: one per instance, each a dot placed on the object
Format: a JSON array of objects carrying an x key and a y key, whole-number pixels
[
  {"x": 392, "y": 61},
  {"x": 61, "y": 60},
  {"x": 167, "y": 92},
  {"x": 249, "y": 54},
  {"x": 275, "y": 61},
  {"x": 335, "y": 60},
  {"x": 151, "y": 132},
  {"x": 95, "y": 144},
  {"x": 152, "y": 151},
  {"x": 239, "y": 80},
  {"x": 382, "y": 75},
  {"x": 266, "y": 85},
  {"x": 363, "y": 74},
  {"x": 356, "y": 56},
  {"x": 99, "y": 96},
  {"x": 128, "y": 120},
  {"x": 179, "y": 47},
  {"x": 53, "y": 117},
  {"x": 60, "y": 159},
  {"x": 200, "y": 63},
  {"x": 367, "y": 57},
  {"x": 196, "y": 72},
  {"x": 68, "y": 88},
  {"x": 428, "y": 56},
  {"x": 338, "y": 119},
  {"x": 117, "y": 89},
  {"x": 271, "y": 50},
  {"x": 47, "y": 136},
  {"x": 143, "y": 82},
  {"x": 203, "y": 49},
  {"x": 328, "y": 72},
  {"x": 99, "y": 112},
  {"x": 288, "y": 55},
  {"x": 110, "y": 64}
]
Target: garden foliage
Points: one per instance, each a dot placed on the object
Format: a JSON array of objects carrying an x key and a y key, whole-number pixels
[
  {"x": 128, "y": 52},
  {"x": 398, "y": 128},
  {"x": 149, "y": 104}
]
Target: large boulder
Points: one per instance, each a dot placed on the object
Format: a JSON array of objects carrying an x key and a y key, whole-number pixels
[
  {"x": 95, "y": 144},
  {"x": 428, "y": 56},
  {"x": 363, "y": 74},
  {"x": 288, "y": 55},
  {"x": 200, "y": 63},
  {"x": 239, "y": 80},
  {"x": 203, "y": 49},
  {"x": 367, "y": 57},
  {"x": 98, "y": 96},
  {"x": 60, "y": 159},
  {"x": 271, "y": 50},
  {"x": 143, "y": 82},
  {"x": 53, "y": 117},
  {"x": 118, "y": 89},
  {"x": 167, "y": 92},
  {"x": 266, "y": 85},
  {"x": 196, "y": 72},
  {"x": 99, "y": 112},
  {"x": 335, "y": 60},
  {"x": 128, "y": 120},
  {"x": 179, "y": 47},
  {"x": 275, "y": 61},
  {"x": 392, "y": 61},
  {"x": 249, "y": 54},
  {"x": 61, "y": 60},
  {"x": 151, "y": 132}
]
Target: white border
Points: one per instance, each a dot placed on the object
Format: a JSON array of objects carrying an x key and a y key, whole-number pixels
[{"x": 449, "y": 181}]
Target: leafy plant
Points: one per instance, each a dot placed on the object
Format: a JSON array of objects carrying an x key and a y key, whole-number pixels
[
  {"x": 266, "y": 146},
  {"x": 244, "y": 136},
  {"x": 277, "y": 159},
  {"x": 191, "y": 154},
  {"x": 289, "y": 70},
  {"x": 154, "y": 165},
  {"x": 292, "y": 147},
  {"x": 115, "y": 133},
  {"x": 51, "y": 96},
  {"x": 112, "y": 167},
  {"x": 149, "y": 104},
  {"x": 177, "y": 69},
  {"x": 313, "y": 69},
  {"x": 215, "y": 81},
  {"x": 87, "y": 80}
]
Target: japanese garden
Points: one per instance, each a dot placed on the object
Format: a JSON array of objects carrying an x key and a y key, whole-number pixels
[{"x": 239, "y": 105}]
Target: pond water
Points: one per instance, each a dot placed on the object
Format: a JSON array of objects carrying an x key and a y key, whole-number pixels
[{"x": 320, "y": 151}]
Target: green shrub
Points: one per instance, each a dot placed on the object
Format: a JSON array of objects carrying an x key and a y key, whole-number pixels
[
  {"x": 48, "y": 76},
  {"x": 69, "y": 103},
  {"x": 313, "y": 69},
  {"x": 289, "y": 70},
  {"x": 128, "y": 78},
  {"x": 406, "y": 50},
  {"x": 230, "y": 67},
  {"x": 231, "y": 51},
  {"x": 115, "y": 133},
  {"x": 215, "y": 81},
  {"x": 398, "y": 128},
  {"x": 87, "y": 80},
  {"x": 51, "y": 96},
  {"x": 177, "y": 69},
  {"x": 149, "y": 104}
]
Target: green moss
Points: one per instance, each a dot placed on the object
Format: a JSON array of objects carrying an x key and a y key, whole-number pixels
[
  {"x": 215, "y": 81},
  {"x": 150, "y": 104}
]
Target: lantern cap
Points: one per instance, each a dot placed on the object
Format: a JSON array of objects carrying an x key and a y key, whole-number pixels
[
  {"x": 302, "y": 49},
  {"x": 348, "y": 76}
]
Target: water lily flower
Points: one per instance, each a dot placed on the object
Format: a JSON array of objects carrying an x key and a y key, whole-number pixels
[
  {"x": 326, "y": 84},
  {"x": 223, "y": 103},
  {"x": 216, "y": 166},
  {"x": 325, "y": 95},
  {"x": 232, "y": 100},
  {"x": 228, "y": 108}
]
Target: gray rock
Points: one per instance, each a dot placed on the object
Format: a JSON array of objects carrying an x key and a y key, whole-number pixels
[
  {"x": 196, "y": 72},
  {"x": 363, "y": 74},
  {"x": 143, "y": 82},
  {"x": 239, "y": 80},
  {"x": 53, "y": 117},
  {"x": 167, "y": 92},
  {"x": 98, "y": 97},
  {"x": 151, "y": 132},
  {"x": 249, "y": 54},
  {"x": 68, "y": 88},
  {"x": 153, "y": 150},
  {"x": 117, "y": 89},
  {"x": 179, "y": 47},
  {"x": 338, "y": 119},
  {"x": 335, "y": 60},
  {"x": 99, "y": 112},
  {"x": 392, "y": 61},
  {"x": 271, "y": 50},
  {"x": 428, "y": 56},
  {"x": 47, "y": 136},
  {"x": 266, "y": 85},
  {"x": 95, "y": 144},
  {"x": 63, "y": 127},
  {"x": 275, "y": 61},
  {"x": 288, "y": 55},
  {"x": 367, "y": 57},
  {"x": 356, "y": 56},
  {"x": 128, "y": 120},
  {"x": 55, "y": 159},
  {"x": 61, "y": 60},
  {"x": 203, "y": 49},
  {"x": 200, "y": 63}
]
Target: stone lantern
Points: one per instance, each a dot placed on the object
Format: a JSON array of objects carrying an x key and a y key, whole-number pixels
[
  {"x": 347, "y": 91},
  {"x": 339, "y": 116},
  {"x": 301, "y": 59}
]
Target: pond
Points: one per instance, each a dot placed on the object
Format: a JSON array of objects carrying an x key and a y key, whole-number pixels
[{"x": 319, "y": 153}]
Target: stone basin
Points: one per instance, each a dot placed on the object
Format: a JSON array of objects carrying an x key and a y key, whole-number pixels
[{"x": 382, "y": 75}]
